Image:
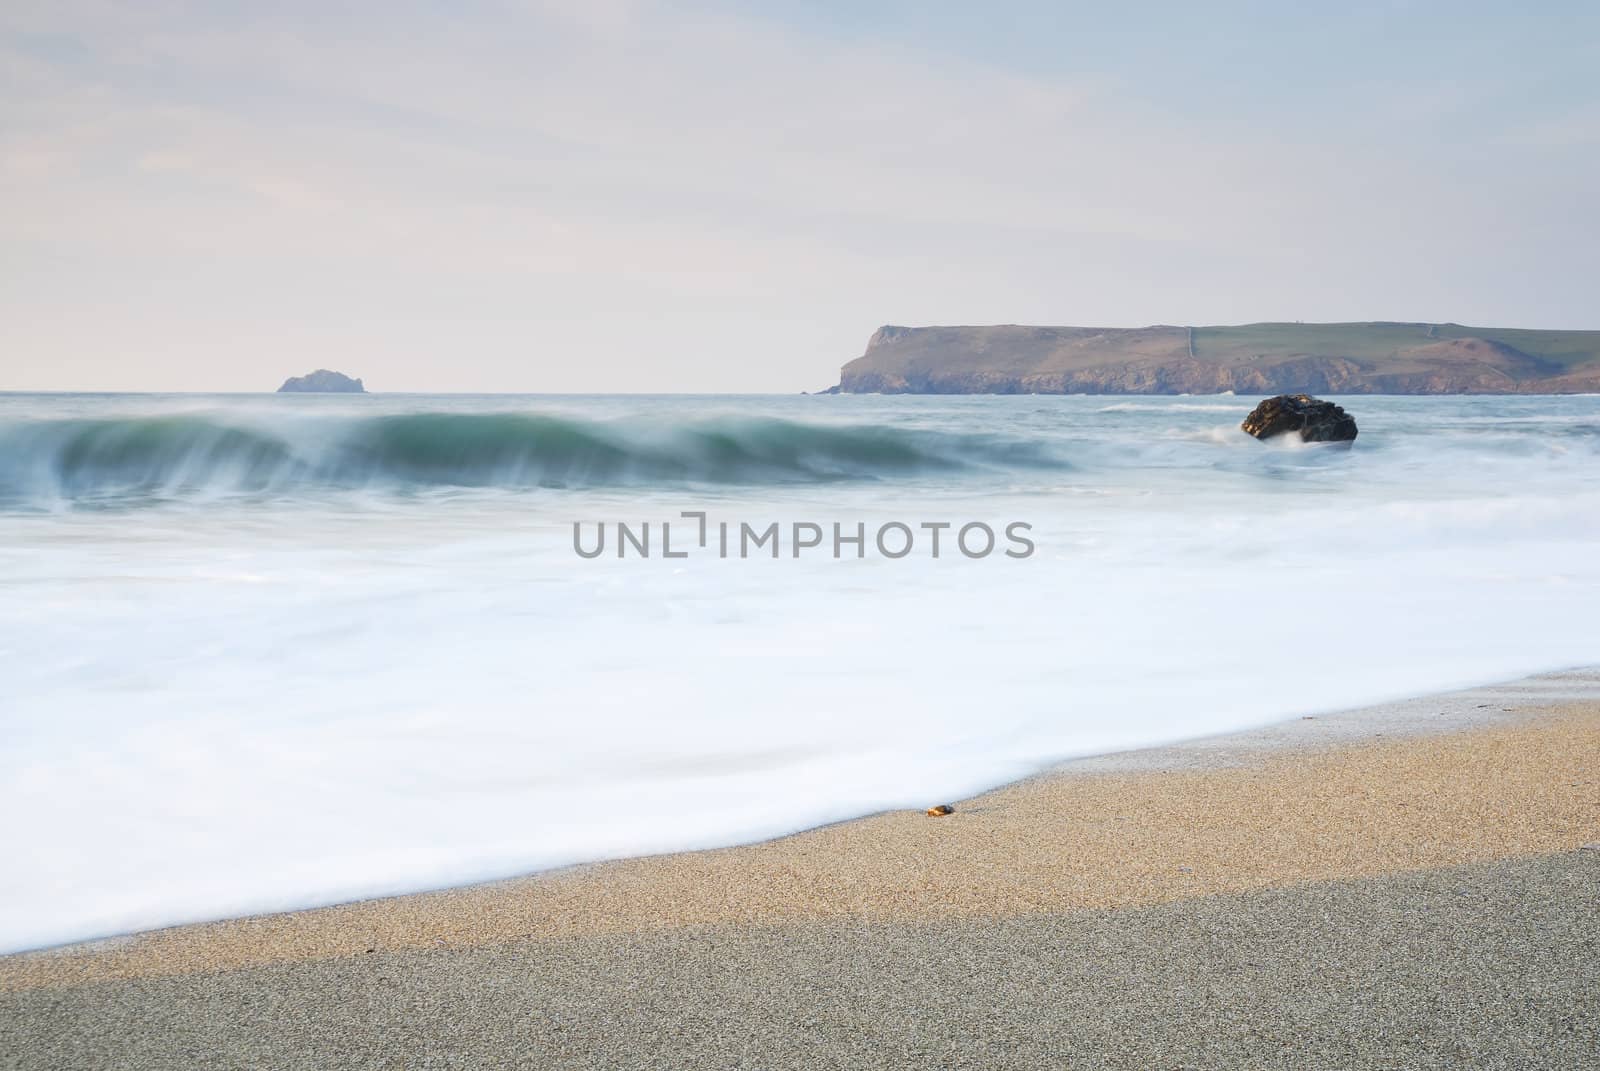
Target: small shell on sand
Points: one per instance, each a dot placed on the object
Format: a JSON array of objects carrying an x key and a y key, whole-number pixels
[{"x": 941, "y": 810}]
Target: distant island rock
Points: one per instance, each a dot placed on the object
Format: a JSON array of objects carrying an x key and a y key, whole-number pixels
[
  {"x": 1265, "y": 358},
  {"x": 322, "y": 381},
  {"x": 1315, "y": 420}
]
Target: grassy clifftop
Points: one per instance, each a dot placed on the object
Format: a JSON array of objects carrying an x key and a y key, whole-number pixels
[{"x": 1265, "y": 358}]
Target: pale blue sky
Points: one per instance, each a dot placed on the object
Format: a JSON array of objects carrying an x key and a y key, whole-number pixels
[{"x": 711, "y": 196}]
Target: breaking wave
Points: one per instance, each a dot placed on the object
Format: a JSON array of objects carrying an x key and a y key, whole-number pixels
[{"x": 132, "y": 458}]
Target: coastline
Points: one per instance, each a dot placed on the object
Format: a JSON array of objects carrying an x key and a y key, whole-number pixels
[
  {"x": 231, "y": 790},
  {"x": 897, "y": 864}
]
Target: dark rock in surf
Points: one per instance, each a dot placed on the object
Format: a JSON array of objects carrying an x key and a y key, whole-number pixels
[
  {"x": 1317, "y": 421},
  {"x": 322, "y": 381}
]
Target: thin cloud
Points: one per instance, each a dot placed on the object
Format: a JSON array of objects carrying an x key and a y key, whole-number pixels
[{"x": 514, "y": 197}]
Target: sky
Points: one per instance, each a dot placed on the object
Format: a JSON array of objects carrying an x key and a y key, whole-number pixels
[{"x": 522, "y": 195}]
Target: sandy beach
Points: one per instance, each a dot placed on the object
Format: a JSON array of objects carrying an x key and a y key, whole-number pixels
[
  {"x": 1409, "y": 886},
  {"x": 790, "y": 537}
]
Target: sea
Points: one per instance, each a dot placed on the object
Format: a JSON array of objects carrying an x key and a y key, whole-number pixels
[{"x": 265, "y": 652}]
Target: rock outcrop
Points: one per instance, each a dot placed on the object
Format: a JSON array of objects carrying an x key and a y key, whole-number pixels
[
  {"x": 322, "y": 381},
  {"x": 1359, "y": 358},
  {"x": 1317, "y": 421}
]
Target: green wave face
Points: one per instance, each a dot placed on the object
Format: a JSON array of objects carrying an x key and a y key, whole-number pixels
[
  {"x": 161, "y": 457},
  {"x": 96, "y": 459}
]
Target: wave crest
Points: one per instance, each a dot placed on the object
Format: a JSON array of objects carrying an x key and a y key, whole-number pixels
[{"x": 114, "y": 460}]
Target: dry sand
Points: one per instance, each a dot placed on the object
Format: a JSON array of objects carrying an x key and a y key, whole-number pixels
[
  {"x": 1429, "y": 888},
  {"x": 1495, "y": 965}
]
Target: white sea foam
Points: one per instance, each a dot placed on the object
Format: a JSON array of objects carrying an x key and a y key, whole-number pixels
[{"x": 223, "y": 699}]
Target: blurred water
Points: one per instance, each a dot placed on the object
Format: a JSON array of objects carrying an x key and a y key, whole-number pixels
[{"x": 267, "y": 652}]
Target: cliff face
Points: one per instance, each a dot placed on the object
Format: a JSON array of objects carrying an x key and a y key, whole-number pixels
[
  {"x": 322, "y": 381},
  {"x": 1378, "y": 358}
]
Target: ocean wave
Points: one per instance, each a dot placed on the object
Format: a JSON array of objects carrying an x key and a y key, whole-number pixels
[
  {"x": 1177, "y": 407},
  {"x": 131, "y": 458}
]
